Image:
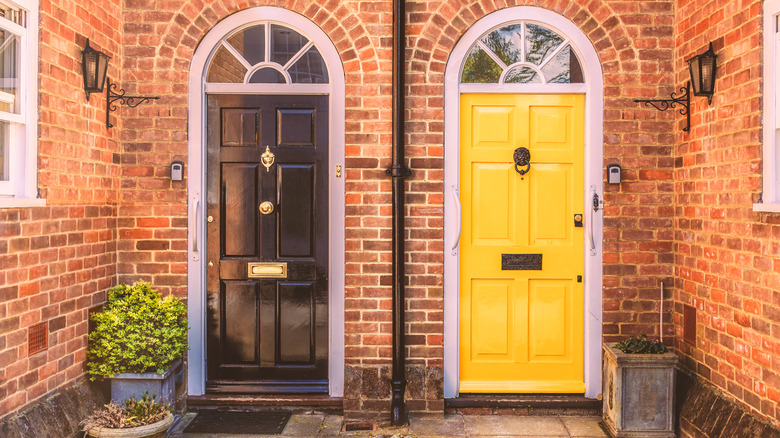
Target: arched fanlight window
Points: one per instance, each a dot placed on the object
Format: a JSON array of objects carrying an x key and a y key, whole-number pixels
[
  {"x": 269, "y": 54},
  {"x": 522, "y": 53}
]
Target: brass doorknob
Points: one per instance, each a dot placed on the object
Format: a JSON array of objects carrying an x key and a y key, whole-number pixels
[
  {"x": 210, "y": 219},
  {"x": 267, "y": 207}
]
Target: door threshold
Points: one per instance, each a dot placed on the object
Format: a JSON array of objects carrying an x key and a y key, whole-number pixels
[
  {"x": 523, "y": 404},
  {"x": 292, "y": 402}
]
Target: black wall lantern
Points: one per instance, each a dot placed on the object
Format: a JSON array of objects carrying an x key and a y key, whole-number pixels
[
  {"x": 702, "y": 71},
  {"x": 94, "y": 65},
  {"x": 702, "y": 68}
]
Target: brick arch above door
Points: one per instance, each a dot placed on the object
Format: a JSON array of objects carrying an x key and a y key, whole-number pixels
[
  {"x": 604, "y": 28},
  {"x": 175, "y": 35}
]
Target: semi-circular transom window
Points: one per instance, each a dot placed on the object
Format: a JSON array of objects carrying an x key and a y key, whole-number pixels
[
  {"x": 267, "y": 53},
  {"x": 522, "y": 53}
]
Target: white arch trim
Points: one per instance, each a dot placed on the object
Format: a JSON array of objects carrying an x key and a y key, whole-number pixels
[
  {"x": 593, "y": 88},
  {"x": 196, "y": 184}
]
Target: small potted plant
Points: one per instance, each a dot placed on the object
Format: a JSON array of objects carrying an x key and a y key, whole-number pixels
[
  {"x": 638, "y": 379},
  {"x": 135, "y": 418},
  {"x": 137, "y": 341}
]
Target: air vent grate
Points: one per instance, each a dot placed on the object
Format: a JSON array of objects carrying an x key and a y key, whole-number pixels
[
  {"x": 354, "y": 426},
  {"x": 37, "y": 339}
]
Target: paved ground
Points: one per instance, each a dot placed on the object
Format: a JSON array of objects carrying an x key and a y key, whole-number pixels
[{"x": 318, "y": 425}]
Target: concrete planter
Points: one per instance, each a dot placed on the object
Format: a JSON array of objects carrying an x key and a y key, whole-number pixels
[
  {"x": 125, "y": 385},
  {"x": 154, "y": 430},
  {"x": 638, "y": 393}
]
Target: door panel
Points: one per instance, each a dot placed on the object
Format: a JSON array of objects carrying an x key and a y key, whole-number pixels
[
  {"x": 521, "y": 307},
  {"x": 239, "y": 224},
  {"x": 267, "y": 333},
  {"x": 296, "y": 220}
]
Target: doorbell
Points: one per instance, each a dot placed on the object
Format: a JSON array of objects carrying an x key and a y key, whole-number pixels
[
  {"x": 613, "y": 173},
  {"x": 177, "y": 171}
]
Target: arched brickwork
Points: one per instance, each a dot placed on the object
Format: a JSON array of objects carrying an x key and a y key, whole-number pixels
[
  {"x": 442, "y": 28},
  {"x": 176, "y": 43}
]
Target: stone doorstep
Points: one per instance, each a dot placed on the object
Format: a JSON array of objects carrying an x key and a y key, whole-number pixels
[{"x": 323, "y": 425}]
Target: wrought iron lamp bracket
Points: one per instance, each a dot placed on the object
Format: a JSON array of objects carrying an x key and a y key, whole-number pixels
[
  {"x": 113, "y": 98},
  {"x": 684, "y": 100}
]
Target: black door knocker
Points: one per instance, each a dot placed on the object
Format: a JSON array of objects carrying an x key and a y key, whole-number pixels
[{"x": 522, "y": 158}]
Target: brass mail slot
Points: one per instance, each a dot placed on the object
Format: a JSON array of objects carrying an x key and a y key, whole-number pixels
[{"x": 267, "y": 270}]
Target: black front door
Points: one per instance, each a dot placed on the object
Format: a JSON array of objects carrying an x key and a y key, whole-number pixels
[{"x": 267, "y": 243}]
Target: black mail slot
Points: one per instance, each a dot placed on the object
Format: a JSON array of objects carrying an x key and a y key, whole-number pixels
[{"x": 521, "y": 262}]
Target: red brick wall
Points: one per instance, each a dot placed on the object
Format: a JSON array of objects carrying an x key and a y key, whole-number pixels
[
  {"x": 140, "y": 215},
  {"x": 725, "y": 254},
  {"x": 57, "y": 261},
  {"x": 161, "y": 36}
]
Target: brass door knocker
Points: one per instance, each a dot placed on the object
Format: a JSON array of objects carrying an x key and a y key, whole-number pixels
[
  {"x": 522, "y": 157},
  {"x": 268, "y": 159}
]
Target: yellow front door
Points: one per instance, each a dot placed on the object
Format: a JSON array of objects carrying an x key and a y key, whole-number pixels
[{"x": 522, "y": 245}]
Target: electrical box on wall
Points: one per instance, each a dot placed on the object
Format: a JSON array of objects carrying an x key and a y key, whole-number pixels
[
  {"x": 177, "y": 171},
  {"x": 613, "y": 173}
]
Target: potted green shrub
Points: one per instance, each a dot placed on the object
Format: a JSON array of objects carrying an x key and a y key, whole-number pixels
[
  {"x": 146, "y": 417},
  {"x": 137, "y": 341},
  {"x": 638, "y": 379}
]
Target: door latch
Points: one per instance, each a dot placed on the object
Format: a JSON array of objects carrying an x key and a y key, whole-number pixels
[
  {"x": 578, "y": 220},
  {"x": 596, "y": 202}
]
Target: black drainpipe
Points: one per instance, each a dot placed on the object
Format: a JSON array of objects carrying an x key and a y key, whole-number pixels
[{"x": 398, "y": 171}]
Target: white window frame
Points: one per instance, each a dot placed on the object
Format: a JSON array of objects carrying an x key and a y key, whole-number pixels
[
  {"x": 21, "y": 190},
  {"x": 770, "y": 198}
]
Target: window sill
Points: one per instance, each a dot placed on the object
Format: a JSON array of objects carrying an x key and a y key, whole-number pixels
[
  {"x": 767, "y": 207},
  {"x": 12, "y": 202}
]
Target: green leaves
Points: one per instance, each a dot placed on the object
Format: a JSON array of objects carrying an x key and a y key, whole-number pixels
[
  {"x": 641, "y": 345},
  {"x": 137, "y": 331}
]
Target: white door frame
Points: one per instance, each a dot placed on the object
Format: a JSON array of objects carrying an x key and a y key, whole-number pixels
[
  {"x": 196, "y": 182},
  {"x": 593, "y": 88}
]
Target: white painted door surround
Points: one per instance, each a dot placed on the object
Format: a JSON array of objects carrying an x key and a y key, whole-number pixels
[
  {"x": 593, "y": 89},
  {"x": 196, "y": 182}
]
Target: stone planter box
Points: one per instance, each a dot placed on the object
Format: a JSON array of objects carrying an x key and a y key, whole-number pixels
[
  {"x": 154, "y": 430},
  {"x": 638, "y": 393},
  {"x": 125, "y": 385}
]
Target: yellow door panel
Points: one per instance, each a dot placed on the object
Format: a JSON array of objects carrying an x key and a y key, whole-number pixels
[
  {"x": 548, "y": 221},
  {"x": 493, "y": 189},
  {"x": 521, "y": 325}
]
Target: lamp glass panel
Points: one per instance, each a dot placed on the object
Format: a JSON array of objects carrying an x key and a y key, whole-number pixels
[
  {"x": 102, "y": 67},
  {"x": 90, "y": 71},
  {"x": 707, "y": 73},
  {"x": 694, "y": 66}
]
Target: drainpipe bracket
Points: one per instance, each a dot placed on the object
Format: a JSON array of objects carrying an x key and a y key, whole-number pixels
[{"x": 398, "y": 171}]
